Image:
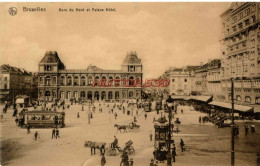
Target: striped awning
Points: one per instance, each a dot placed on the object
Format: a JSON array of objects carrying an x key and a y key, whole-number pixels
[{"x": 228, "y": 105}]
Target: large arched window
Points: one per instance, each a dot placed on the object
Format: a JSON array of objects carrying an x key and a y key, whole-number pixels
[
  {"x": 48, "y": 80},
  {"x": 110, "y": 95},
  {"x": 103, "y": 95},
  {"x": 69, "y": 81},
  {"x": 117, "y": 95},
  {"x": 131, "y": 95},
  {"x": 41, "y": 80},
  {"x": 110, "y": 81},
  {"x": 62, "y": 95},
  {"x": 54, "y": 80},
  {"x": 76, "y": 80},
  {"x": 96, "y": 95},
  {"x": 90, "y": 95},
  {"x": 117, "y": 81},
  {"x": 83, "y": 81},
  {"x": 75, "y": 94},
  {"x": 68, "y": 95},
  {"x": 62, "y": 80},
  {"x": 257, "y": 100},
  {"x": 96, "y": 80},
  {"x": 238, "y": 98},
  {"x": 82, "y": 94},
  {"x": 248, "y": 99},
  {"x": 104, "y": 81},
  {"x": 131, "y": 81},
  {"x": 90, "y": 81}
]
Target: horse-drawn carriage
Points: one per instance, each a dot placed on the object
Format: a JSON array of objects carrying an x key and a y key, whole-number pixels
[
  {"x": 130, "y": 127},
  {"x": 129, "y": 149}
]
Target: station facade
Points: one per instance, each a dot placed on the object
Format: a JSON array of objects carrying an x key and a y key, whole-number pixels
[{"x": 57, "y": 82}]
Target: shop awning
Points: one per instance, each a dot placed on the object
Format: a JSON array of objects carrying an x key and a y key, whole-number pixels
[
  {"x": 201, "y": 98},
  {"x": 228, "y": 105},
  {"x": 180, "y": 97}
]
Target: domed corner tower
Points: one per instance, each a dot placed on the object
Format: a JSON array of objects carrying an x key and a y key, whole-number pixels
[
  {"x": 132, "y": 63},
  {"x": 51, "y": 62}
]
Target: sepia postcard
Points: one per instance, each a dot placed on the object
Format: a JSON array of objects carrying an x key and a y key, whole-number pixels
[{"x": 130, "y": 83}]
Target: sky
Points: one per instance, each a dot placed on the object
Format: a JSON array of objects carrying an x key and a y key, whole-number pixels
[{"x": 162, "y": 34}]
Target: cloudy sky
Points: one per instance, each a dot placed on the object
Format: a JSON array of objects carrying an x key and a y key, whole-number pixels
[{"x": 162, "y": 34}]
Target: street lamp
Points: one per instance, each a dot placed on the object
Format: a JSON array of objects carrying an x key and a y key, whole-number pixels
[{"x": 169, "y": 158}]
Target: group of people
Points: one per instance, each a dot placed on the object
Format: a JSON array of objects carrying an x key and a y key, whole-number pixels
[{"x": 55, "y": 133}]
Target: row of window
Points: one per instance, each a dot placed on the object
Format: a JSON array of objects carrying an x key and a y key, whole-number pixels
[
  {"x": 180, "y": 79},
  {"x": 68, "y": 80},
  {"x": 247, "y": 99},
  {"x": 83, "y": 94},
  {"x": 244, "y": 13}
]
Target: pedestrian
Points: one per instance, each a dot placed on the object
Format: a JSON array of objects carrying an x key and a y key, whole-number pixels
[
  {"x": 16, "y": 121},
  {"x": 151, "y": 137},
  {"x": 182, "y": 111},
  {"x": 131, "y": 162},
  {"x": 93, "y": 150},
  {"x": 36, "y": 135},
  {"x": 252, "y": 129},
  {"x": 53, "y": 134},
  {"x": 236, "y": 130},
  {"x": 78, "y": 115},
  {"x": 152, "y": 162},
  {"x": 145, "y": 116},
  {"x": 135, "y": 119},
  {"x": 82, "y": 108},
  {"x": 115, "y": 115},
  {"x": 182, "y": 145},
  {"x": 153, "y": 119},
  {"x": 173, "y": 153},
  {"x": 57, "y": 133},
  {"x": 200, "y": 119},
  {"x": 28, "y": 129},
  {"x": 246, "y": 128},
  {"x": 103, "y": 160}
]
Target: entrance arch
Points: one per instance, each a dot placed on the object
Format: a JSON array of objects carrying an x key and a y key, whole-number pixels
[
  {"x": 110, "y": 95},
  {"x": 117, "y": 95},
  {"x": 103, "y": 95},
  {"x": 90, "y": 95},
  {"x": 96, "y": 96}
]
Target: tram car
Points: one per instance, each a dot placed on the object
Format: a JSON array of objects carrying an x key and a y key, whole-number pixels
[
  {"x": 147, "y": 106},
  {"x": 41, "y": 119}
]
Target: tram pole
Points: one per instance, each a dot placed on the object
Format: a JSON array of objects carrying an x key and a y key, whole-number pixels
[
  {"x": 232, "y": 125},
  {"x": 169, "y": 158}
]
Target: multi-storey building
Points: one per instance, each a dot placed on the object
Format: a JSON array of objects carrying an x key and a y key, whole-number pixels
[
  {"x": 57, "y": 82},
  {"x": 214, "y": 77},
  {"x": 201, "y": 80},
  {"x": 16, "y": 81},
  {"x": 181, "y": 80},
  {"x": 241, "y": 52}
]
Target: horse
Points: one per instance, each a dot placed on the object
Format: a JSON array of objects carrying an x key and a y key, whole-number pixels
[
  {"x": 120, "y": 127},
  {"x": 98, "y": 145}
]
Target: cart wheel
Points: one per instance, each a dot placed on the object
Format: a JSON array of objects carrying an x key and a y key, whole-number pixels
[{"x": 131, "y": 150}]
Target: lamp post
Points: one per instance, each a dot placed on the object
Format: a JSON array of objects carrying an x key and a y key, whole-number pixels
[
  {"x": 169, "y": 158},
  {"x": 232, "y": 125}
]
